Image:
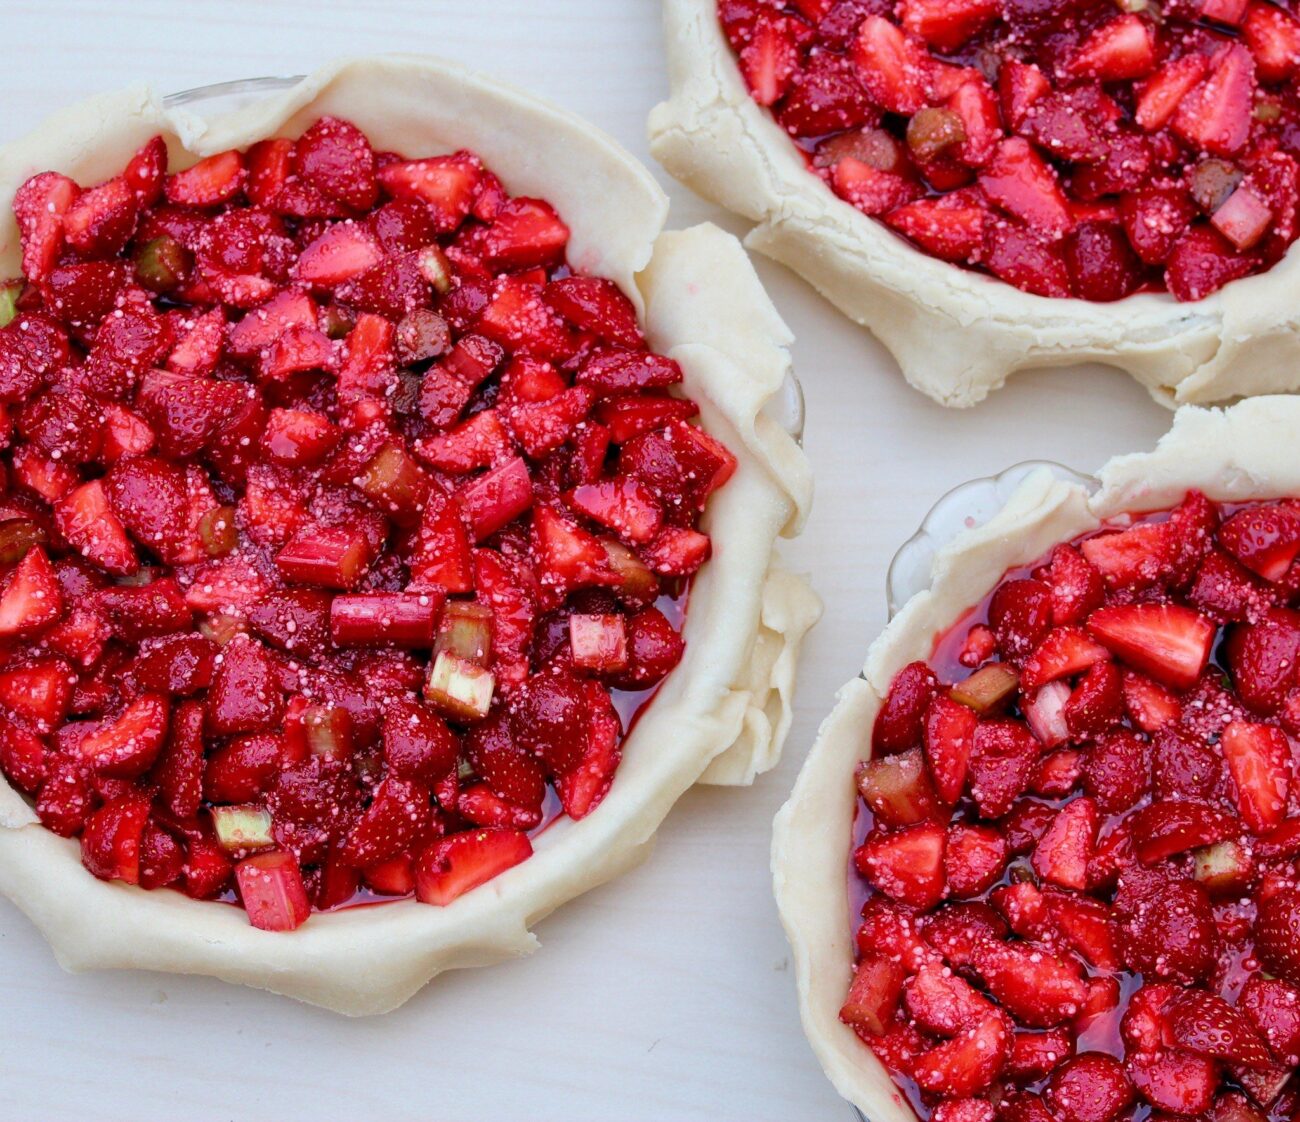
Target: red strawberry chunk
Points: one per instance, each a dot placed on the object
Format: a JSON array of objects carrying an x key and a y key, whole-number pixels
[
  {"x": 1063, "y": 852},
  {"x": 874, "y": 996},
  {"x": 1215, "y": 115},
  {"x": 891, "y": 66},
  {"x": 769, "y": 60},
  {"x": 445, "y": 183},
  {"x": 1164, "y": 829},
  {"x": 1091, "y": 1087},
  {"x": 214, "y": 180},
  {"x": 111, "y": 843},
  {"x": 1122, "y": 48},
  {"x": 335, "y": 157},
  {"x": 949, "y": 738},
  {"x": 40, "y": 205},
  {"x": 1168, "y": 642},
  {"x": 1266, "y": 539},
  {"x": 1020, "y": 182},
  {"x": 1064, "y": 653},
  {"x": 457, "y": 864},
  {"x": 342, "y": 252},
  {"x": 968, "y": 1063},
  {"x": 1273, "y": 38},
  {"x": 127, "y": 745},
  {"x": 1259, "y": 760},
  {"x": 907, "y": 865},
  {"x": 1205, "y": 1023},
  {"x": 947, "y": 25}
]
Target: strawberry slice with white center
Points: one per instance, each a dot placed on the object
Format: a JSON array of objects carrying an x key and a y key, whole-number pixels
[
  {"x": 1215, "y": 116},
  {"x": 1123, "y": 48},
  {"x": 1169, "y": 642},
  {"x": 892, "y": 67},
  {"x": 30, "y": 599},
  {"x": 1259, "y": 760}
]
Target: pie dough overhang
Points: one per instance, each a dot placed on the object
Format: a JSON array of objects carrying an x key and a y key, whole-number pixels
[
  {"x": 721, "y": 714},
  {"x": 1238, "y": 454},
  {"x": 957, "y": 334}
]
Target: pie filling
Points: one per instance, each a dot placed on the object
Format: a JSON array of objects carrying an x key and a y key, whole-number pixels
[
  {"x": 1076, "y": 851},
  {"x": 1090, "y": 148},
  {"x": 345, "y": 530}
]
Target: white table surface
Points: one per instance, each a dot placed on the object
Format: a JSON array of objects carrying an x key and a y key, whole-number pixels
[{"x": 668, "y": 994}]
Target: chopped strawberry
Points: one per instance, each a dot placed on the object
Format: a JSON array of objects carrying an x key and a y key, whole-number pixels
[
  {"x": 1168, "y": 642},
  {"x": 891, "y": 66},
  {"x": 1266, "y": 539},
  {"x": 906, "y": 865},
  {"x": 947, "y": 25},
  {"x": 950, "y": 228},
  {"x": 874, "y": 996},
  {"x": 1167, "y": 828},
  {"x": 1020, "y": 182},
  {"x": 1091, "y": 1087},
  {"x": 1259, "y": 760},
  {"x": 454, "y": 865},
  {"x": 1063, "y": 653},
  {"x": 900, "y": 722},
  {"x": 1273, "y": 37},
  {"x": 1119, "y": 49},
  {"x": 335, "y": 157},
  {"x": 1206, "y": 1024},
  {"x": 40, "y": 205},
  {"x": 968, "y": 1063},
  {"x": 1215, "y": 115},
  {"x": 1063, "y": 853},
  {"x": 1002, "y": 762},
  {"x": 210, "y": 182}
]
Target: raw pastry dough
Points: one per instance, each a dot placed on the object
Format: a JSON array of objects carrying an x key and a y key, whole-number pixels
[
  {"x": 956, "y": 334},
  {"x": 1232, "y": 455},
  {"x": 724, "y": 709}
]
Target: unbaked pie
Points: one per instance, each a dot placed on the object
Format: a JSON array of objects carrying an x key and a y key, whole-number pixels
[
  {"x": 1042, "y": 862},
  {"x": 389, "y": 517},
  {"x": 1113, "y": 166}
]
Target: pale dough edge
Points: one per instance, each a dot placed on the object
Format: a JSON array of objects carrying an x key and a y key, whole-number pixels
[
  {"x": 371, "y": 960},
  {"x": 1234, "y": 454}
]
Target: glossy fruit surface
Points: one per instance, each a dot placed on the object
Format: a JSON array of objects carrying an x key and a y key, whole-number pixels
[
  {"x": 1077, "y": 852},
  {"x": 344, "y": 527},
  {"x": 1091, "y": 149}
]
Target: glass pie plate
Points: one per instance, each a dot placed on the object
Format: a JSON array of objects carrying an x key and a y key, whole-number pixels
[
  {"x": 209, "y": 102},
  {"x": 966, "y": 507}
]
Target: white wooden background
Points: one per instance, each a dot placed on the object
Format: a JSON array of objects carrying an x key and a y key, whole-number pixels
[{"x": 664, "y": 996}]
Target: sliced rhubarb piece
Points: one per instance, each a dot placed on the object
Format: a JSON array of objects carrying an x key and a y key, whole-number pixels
[
  {"x": 383, "y": 618},
  {"x": 898, "y": 789},
  {"x": 272, "y": 891},
  {"x": 497, "y": 498},
  {"x": 460, "y": 689},
  {"x": 331, "y": 557}
]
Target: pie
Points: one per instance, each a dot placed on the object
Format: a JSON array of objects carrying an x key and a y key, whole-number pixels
[
  {"x": 367, "y": 465},
  {"x": 1042, "y": 862},
  {"x": 990, "y": 187}
]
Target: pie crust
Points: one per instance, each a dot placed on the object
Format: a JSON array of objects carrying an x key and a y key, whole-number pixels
[
  {"x": 1233, "y": 455},
  {"x": 956, "y": 334},
  {"x": 723, "y": 711}
]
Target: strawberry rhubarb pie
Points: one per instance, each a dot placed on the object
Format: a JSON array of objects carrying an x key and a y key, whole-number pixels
[
  {"x": 1072, "y": 847},
  {"x": 351, "y": 516},
  {"x": 1091, "y": 150}
]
